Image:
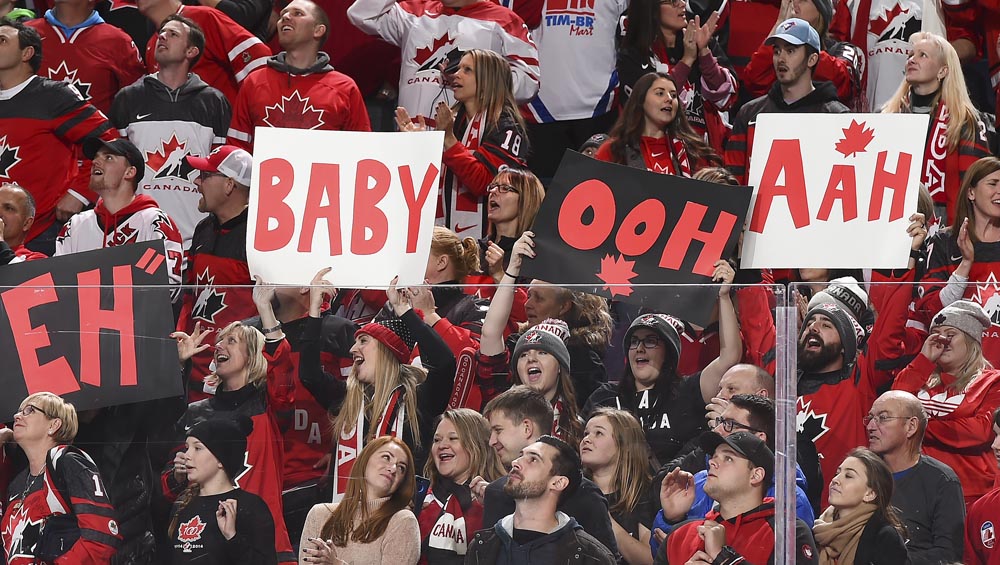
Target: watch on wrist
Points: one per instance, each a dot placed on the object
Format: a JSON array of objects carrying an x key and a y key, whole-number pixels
[{"x": 726, "y": 555}]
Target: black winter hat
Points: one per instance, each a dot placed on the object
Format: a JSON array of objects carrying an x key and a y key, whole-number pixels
[
  {"x": 850, "y": 331},
  {"x": 226, "y": 438},
  {"x": 664, "y": 325}
]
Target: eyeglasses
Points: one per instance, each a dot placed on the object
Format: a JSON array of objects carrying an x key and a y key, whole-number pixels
[
  {"x": 649, "y": 342},
  {"x": 205, "y": 175},
  {"x": 728, "y": 424},
  {"x": 30, "y": 409},
  {"x": 501, "y": 188},
  {"x": 881, "y": 419},
  {"x": 674, "y": 3}
]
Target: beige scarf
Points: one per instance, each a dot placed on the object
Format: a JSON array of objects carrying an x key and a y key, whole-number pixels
[{"x": 838, "y": 539}]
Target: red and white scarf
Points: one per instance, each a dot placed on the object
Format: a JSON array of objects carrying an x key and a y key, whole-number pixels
[
  {"x": 935, "y": 168},
  {"x": 352, "y": 442},
  {"x": 464, "y": 208},
  {"x": 446, "y": 526}
]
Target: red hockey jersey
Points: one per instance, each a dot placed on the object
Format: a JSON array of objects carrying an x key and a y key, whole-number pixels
[
  {"x": 231, "y": 52},
  {"x": 285, "y": 97},
  {"x": 981, "y": 524},
  {"x": 98, "y": 60},
  {"x": 41, "y": 121}
]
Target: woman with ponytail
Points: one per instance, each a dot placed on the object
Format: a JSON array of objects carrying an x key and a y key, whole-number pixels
[{"x": 215, "y": 521}]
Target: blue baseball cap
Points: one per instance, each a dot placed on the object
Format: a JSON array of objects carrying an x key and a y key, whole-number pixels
[{"x": 797, "y": 32}]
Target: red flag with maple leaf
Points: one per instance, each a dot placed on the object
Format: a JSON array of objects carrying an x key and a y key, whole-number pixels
[{"x": 856, "y": 139}]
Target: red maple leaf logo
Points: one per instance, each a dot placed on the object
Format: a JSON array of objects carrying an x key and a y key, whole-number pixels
[
  {"x": 425, "y": 53},
  {"x": 157, "y": 158},
  {"x": 879, "y": 25},
  {"x": 618, "y": 274},
  {"x": 191, "y": 530},
  {"x": 856, "y": 139},
  {"x": 293, "y": 111}
]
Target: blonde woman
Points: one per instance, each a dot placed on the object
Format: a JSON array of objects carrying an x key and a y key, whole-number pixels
[
  {"x": 483, "y": 131},
  {"x": 384, "y": 394},
  {"x": 616, "y": 458},
  {"x": 254, "y": 377},
  {"x": 960, "y": 391},
  {"x": 934, "y": 84},
  {"x": 449, "y": 515},
  {"x": 58, "y": 507},
  {"x": 373, "y": 524}
]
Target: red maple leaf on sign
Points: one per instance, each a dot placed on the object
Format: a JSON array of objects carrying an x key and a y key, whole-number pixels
[
  {"x": 156, "y": 159},
  {"x": 618, "y": 274},
  {"x": 879, "y": 25},
  {"x": 293, "y": 111},
  {"x": 425, "y": 53},
  {"x": 856, "y": 139}
]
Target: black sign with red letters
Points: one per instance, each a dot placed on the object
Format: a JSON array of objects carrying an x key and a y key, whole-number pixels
[
  {"x": 91, "y": 327},
  {"x": 617, "y": 227}
]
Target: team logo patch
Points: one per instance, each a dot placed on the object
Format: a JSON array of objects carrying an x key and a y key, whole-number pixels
[
  {"x": 8, "y": 157},
  {"x": 533, "y": 337},
  {"x": 113, "y": 527},
  {"x": 65, "y": 74},
  {"x": 294, "y": 112},
  {"x": 987, "y": 534},
  {"x": 189, "y": 532},
  {"x": 168, "y": 161}
]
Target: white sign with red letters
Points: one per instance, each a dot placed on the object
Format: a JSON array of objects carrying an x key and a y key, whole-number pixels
[
  {"x": 833, "y": 190},
  {"x": 361, "y": 203}
]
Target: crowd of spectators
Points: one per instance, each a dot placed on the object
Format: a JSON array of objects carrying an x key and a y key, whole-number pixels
[{"x": 486, "y": 417}]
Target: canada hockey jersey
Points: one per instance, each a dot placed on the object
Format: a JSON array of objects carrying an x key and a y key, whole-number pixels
[
  {"x": 71, "y": 485},
  {"x": 167, "y": 126},
  {"x": 576, "y": 54},
  {"x": 97, "y": 58},
  {"x": 471, "y": 165},
  {"x": 882, "y": 28},
  {"x": 218, "y": 288},
  {"x": 282, "y": 96},
  {"x": 41, "y": 121},
  {"x": 427, "y": 32},
  {"x": 981, "y": 524},
  {"x": 231, "y": 52},
  {"x": 139, "y": 221}
]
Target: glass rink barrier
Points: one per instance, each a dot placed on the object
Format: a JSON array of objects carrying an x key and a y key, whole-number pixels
[{"x": 133, "y": 408}]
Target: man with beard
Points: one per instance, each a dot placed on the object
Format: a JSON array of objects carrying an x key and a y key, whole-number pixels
[
  {"x": 547, "y": 473},
  {"x": 927, "y": 492},
  {"x": 741, "y": 528},
  {"x": 796, "y": 54}
]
